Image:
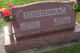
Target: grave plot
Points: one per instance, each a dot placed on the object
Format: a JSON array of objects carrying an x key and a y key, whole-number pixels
[{"x": 42, "y": 24}]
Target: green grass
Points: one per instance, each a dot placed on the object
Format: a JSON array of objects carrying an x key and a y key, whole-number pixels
[
  {"x": 78, "y": 17},
  {"x": 2, "y": 22},
  {"x": 17, "y": 2},
  {"x": 70, "y": 49}
]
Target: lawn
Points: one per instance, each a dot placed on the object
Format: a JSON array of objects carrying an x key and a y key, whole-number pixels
[
  {"x": 17, "y": 2},
  {"x": 78, "y": 17},
  {"x": 71, "y": 49}
]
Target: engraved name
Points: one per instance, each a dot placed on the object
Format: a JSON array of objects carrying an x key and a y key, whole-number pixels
[{"x": 45, "y": 12}]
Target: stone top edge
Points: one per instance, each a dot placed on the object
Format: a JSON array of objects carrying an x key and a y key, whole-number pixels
[{"x": 41, "y": 2}]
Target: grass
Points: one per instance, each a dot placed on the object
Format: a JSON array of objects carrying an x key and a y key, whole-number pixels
[
  {"x": 25, "y": 1},
  {"x": 2, "y": 23},
  {"x": 71, "y": 49},
  {"x": 78, "y": 17},
  {"x": 17, "y": 2}
]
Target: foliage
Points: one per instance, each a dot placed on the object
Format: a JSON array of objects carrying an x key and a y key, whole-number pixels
[
  {"x": 77, "y": 6},
  {"x": 78, "y": 17},
  {"x": 2, "y": 23}
]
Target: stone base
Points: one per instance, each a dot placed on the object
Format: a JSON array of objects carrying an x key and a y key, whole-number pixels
[{"x": 42, "y": 41}]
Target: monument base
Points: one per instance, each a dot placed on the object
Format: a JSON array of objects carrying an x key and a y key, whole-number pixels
[{"x": 42, "y": 41}]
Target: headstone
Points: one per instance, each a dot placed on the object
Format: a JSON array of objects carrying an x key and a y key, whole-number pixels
[
  {"x": 43, "y": 42},
  {"x": 44, "y": 17}
]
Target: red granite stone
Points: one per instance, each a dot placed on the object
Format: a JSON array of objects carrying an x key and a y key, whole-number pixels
[
  {"x": 40, "y": 18},
  {"x": 43, "y": 40}
]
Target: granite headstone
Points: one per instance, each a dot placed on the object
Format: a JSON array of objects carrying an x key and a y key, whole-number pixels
[{"x": 44, "y": 17}]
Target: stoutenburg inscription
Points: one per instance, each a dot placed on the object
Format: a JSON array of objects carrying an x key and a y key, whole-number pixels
[
  {"x": 45, "y": 12},
  {"x": 44, "y": 17}
]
